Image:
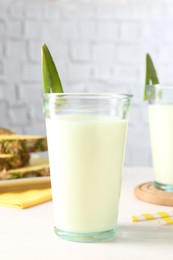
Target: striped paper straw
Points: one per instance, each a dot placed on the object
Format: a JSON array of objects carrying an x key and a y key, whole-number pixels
[
  {"x": 163, "y": 216},
  {"x": 167, "y": 221}
]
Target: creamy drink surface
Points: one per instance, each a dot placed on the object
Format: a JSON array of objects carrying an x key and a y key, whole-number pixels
[
  {"x": 86, "y": 158},
  {"x": 161, "y": 132}
]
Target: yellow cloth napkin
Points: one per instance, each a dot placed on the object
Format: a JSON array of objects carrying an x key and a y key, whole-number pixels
[{"x": 25, "y": 198}]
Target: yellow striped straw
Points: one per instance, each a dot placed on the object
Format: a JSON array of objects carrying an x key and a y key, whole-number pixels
[
  {"x": 167, "y": 221},
  {"x": 162, "y": 216}
]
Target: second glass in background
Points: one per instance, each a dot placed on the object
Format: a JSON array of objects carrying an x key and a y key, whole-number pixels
[{"x": 160, "y": 109}]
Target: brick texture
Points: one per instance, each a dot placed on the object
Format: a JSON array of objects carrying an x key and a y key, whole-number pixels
[{"x": 98, "y": 46}]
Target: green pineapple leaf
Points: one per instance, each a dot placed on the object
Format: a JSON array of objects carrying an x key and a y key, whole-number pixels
[
  {"x": 151, "y": 74},
  {"x": 50, "y": 77}
]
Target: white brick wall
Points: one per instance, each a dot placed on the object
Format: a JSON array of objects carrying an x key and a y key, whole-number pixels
[
  {"x": 99, "y": 46},
  {"x": 13, "y": 29},
  {"x": 16, "y": 49}
]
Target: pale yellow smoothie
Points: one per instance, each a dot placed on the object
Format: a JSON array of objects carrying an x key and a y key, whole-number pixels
[
  {"x": 86, "y": 159},
  {"x": 161, "y": 132}
]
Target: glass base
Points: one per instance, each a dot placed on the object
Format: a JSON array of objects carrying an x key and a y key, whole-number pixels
[
  {"x": 86, "y": 237},
  {"x": 164, "y": 187}
]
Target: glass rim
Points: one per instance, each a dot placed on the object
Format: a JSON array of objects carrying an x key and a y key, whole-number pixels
[{"x": 89, "y": 95}]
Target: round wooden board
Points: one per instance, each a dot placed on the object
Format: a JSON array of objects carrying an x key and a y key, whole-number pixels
[{"x": 148, "y": 193}]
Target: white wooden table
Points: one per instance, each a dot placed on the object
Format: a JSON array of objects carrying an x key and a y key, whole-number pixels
[{"x": 28, "y": 234}]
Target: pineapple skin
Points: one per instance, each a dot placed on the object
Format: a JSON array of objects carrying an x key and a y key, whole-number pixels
[
  {"x": 9, "y": 175},
  {"x": 15, "y": 161},
  {"x": 6, "y": 131},
  {"x": 16, "y": 146}
]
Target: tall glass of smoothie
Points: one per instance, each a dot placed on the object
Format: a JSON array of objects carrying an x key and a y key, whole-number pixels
[
  {"x": 86, "y": 141},
  {"x": 160, "y": 109}
]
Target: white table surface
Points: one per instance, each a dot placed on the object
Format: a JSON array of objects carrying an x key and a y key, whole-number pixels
[{"x": 28, "y": 234}]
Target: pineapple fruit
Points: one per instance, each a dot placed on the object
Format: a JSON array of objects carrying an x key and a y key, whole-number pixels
[
  {"x": 15, "y": 156},
  {"x": 5, "y": 131},
  {"x": 13, "y": 161},
  {"x": 13, "y": 144},
  {"x": 36, "y": 168}
]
